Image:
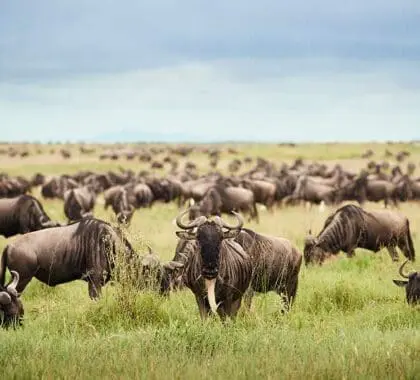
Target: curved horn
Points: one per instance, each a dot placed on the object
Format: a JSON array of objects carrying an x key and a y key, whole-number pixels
[
  {"x": 239, "y": 225},
  {"x": 11, "y": 288},
  {"x": 200, "y": 220},
  {"x": 400, "y": 271}
]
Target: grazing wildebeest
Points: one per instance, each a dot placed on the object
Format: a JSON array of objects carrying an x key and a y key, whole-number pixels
[
  {"x": 78, "y": 203},
  {"x": 82, "y": 250},
  {"x": 276, "y": 264},
  {"x": 21, "y": 215},
  {"x": 351, "y": 227},
  {"x": 10, "y": 304},
  {"x": 56, "y": 187},
  {"x": 313, "y": 192},
  {"x": 122, "y": 208},
  {"x": 218, "y": 271},
  {"x": 412, "y": 285}
]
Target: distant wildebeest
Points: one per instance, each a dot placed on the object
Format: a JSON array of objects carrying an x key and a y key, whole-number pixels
[
  {"x": 122, "y": 208},
  {"x": 82, "y": 250},
  {"x": 143, "y": 195},
  {"x": 218, "y": 270},
  {"x": 65, "y": 153},
  {"x": 79, "y": 203},
  {"x": 351, "y": 227},
  {"x": 56, "y": 187},
  {"x": 264, "y": 191},
  {"x": 111, "y": 194},
  {"x": 369, "y": 153},
  {"x": 412, "y": 285},
  {"x": 12, "y": 187},
  {"x": 308, "y": 190},
  {"x": 377, "y": 190},
  {"x": 10, "y": 304},
  {"x": 21, "y": 215},
  {"x": 225, "y": 199}
]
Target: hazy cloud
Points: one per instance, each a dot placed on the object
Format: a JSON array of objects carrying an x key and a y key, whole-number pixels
[{"x": 209, "y": 70}]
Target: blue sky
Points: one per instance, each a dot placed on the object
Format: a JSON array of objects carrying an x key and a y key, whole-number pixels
[{"x": 208, "y": 71}]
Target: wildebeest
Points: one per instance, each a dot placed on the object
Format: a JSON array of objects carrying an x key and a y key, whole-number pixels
[
  {"x": 143, "y": 195},
  {"x": 412, "y": 285},
  {"x": 85, "y": 250},
  {"x": 225, "y": 199},
  {"x": 21, "y": 215},
  {"x": 10, "y": 305},
  {"x": 218, "y": 271},
  {"x": 122, "y": 208},
  {"x": 308, "y": 190},
  {"x": 78, "y": 203},
  {"x": 56, "y": 187},
  {"x": 276, "y": 264},
  {"x": 351, "y": 227},
  {"x": 81, "y": 250}
]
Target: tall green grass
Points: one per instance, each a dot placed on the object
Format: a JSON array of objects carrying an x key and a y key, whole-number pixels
[{"x": 348, "y": 322}]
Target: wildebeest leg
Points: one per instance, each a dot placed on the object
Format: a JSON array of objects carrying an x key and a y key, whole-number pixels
[
  {"x": 95, "y": 286},
  {"x": 291, "y": 289},
  {"x": 255, "y": 212},
  {"x": 407, "y": 248},
  {"x": 248, "y": 298},
  {"x": 286, "y": 300},
  {"x": 203, "y": 307},
  {"x": 23, "y": 282},
  {"x": 350, "y": 254},
  {"x": 270, "y": 204},
  {"x": 230, "y": 309},
  {"x": 26, "y": 272},
  {"x": 393, "y": 253}
]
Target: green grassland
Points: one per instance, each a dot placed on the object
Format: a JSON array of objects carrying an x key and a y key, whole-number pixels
[{"x": 348, "y": 322}]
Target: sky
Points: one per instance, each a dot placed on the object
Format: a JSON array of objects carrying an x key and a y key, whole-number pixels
[{"x": 184, "y": 70}]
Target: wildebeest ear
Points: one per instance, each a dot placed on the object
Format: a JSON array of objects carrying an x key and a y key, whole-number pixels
[
  {"x": 231, "y": 234},
  {"x": 5, "y": 298},
  {"x": 400, "y": 282},
  {"x": 185, "y": 235},
  {"x": 310, "y": 241},
  {"x": 172, "y": 265}
]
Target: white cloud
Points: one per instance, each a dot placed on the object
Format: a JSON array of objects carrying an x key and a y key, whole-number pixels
[{"x": 245, "y": 99}]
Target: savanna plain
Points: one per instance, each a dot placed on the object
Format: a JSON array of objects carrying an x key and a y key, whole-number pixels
[{"x": 349, "y": 320}]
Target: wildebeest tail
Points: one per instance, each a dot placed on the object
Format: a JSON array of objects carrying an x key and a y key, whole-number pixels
[
  {"x": 3, "y": 266},
  {"x": 410, "y": 243}
]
